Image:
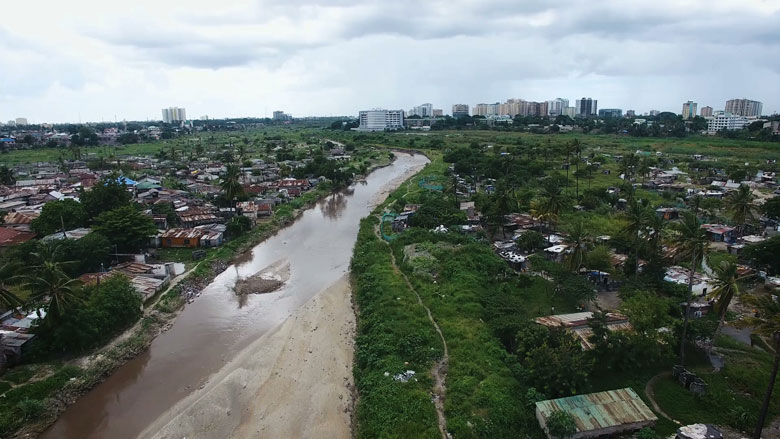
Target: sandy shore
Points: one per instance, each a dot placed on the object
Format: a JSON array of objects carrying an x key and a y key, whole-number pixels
[{"x": 294, "y": 382}]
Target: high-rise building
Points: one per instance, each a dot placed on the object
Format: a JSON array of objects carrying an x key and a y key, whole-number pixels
[
  {"x": 437, "y": 112},
  {"x": 723, "y": 120},
  {"x": 630, "y": 113},
  {"x": 424, "y": 110},
  {"x": 570, "y": 111},
  {"x": 689, "y": 110},
  {"x": 281, "y": 116},
  {"x": 21, "y": 121},
  {"x": 654, "y": 112},
  {"x": 706, "y": 111},
  {"x": 744, "y": 107},
  {"x": 556, "y": 106},
  {"x": 586, "y": 107},
  {"x": 460, "y": 110},
  {"x": 610, "y": 112},
  {"x": 486, "y": 110},
  {"x": 11, "y": 123},
  {"x": 174, "y": 115},
  {"x": 379, "y": 119}
]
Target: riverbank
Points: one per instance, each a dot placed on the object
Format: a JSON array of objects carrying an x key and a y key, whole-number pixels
[
  {"x": 303, "y": 366},
  {"x": 85, "y": 372}
]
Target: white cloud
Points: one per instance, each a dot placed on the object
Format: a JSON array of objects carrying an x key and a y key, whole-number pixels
[{"x": 98, "y": 59}]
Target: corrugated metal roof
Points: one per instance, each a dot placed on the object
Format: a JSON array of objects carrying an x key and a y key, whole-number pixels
[
  {"x": 596, "y": 411},
  {"x": 183, "y": 233}
]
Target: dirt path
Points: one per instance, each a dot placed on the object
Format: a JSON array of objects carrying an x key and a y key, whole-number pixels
[
  {"x": 439, "y": 370},
  {"x": 651, "y": 396}
]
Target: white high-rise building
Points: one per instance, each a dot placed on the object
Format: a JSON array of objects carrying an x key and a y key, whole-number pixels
[
  {"x": 21, "y": 121},
  {"x": 379, "y": 119},
  {"x": 424, "y": 110},
  {"x": 722, "y": 120},
  {"x": 460, "y": 110},
  {"x": 556, "y": 106},
  {"x": 174, "y": 115}
]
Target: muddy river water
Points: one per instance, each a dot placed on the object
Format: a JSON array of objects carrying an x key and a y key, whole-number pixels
[{"x": 217, "y": 325}]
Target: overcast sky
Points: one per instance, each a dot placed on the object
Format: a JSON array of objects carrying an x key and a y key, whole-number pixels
[{"x": 96, "y": 59}]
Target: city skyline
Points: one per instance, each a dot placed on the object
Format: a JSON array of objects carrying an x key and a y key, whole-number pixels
[{"x": 321, "y": 58}]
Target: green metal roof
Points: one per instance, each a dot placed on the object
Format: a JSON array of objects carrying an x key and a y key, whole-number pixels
[{"x": 594, "y": 411}]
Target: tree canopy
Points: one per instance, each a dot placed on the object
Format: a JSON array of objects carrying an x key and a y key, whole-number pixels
[
  {"x": 126, "y": 227},
  {"x": 67, "y": 213}
]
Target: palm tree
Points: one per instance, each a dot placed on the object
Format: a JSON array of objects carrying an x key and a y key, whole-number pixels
[
  {"x": 638, "y": 217},
  {"x": 767, "y": 323},
  {"x": 575, "y": 145},
  {"x": 726, "y": 287},
  {"x": 644, "y": 168},
  {"x": 7, "y": 298},
  {"x": 548, "y": 206},
  {"x": 691, "y": 241},
  {"x": 49, "y": 283},
  {"x": 230, "y": 185},
  {"x": 577, "y": 241},
  {"x": 740, "y": 206}
]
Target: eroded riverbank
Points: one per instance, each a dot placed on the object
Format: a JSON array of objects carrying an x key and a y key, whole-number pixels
[{"x": 218, "y": 326}]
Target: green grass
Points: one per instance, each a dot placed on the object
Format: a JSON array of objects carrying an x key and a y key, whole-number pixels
[
  {"x": 734, "y": 394},
  {"x": 714, "y": 259}
]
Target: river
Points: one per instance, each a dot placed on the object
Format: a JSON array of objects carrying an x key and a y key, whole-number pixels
[{"x": 217, "y": 325}]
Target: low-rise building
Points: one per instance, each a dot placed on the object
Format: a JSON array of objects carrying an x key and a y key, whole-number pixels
[{"x": 599, "y": 414}]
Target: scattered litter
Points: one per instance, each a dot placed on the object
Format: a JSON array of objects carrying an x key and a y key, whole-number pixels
[{"x": 404, "y": 377}]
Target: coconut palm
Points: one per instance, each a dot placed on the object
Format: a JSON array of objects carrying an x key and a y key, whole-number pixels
[
  {"x": 50, "y": 285},
  {"x": 766, "y": 322},
  {"x": 726, "y": 287},
  {"x": 230, "y": 185},
  {"x": 739, "y": 205},
  {"x": 637, "y": 216},
  {"x": 692, "y": 244},
  {"x": 578, "y": 246},
  {"x": 7, "y": 298},
  {"x": 549, "y": 204}
]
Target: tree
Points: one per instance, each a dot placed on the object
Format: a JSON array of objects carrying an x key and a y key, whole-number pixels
[
  {"x": 50, "y": 286},
  {"x": 7, "y": 298},
  {"x": 725, "y": 288},
  {"x": 772, "y": 208},
  {"x": 238, "y": 225},
  {"x": 739, "y": 205},
  {"x": 578, "y": 246},
  {"x": 637, "y": 215},
  {"x": 646, "y": 311},
  {"x": 692, "y": 243},
  {"x": 108, "y": 194},
  {"x": 107, "y": 308},
  {"x": 766, "y": 323},
  {"x": 126, "y": 227},
  {"x": 7, "y": 176},
  {"x": 561, "y": 424},
  {"x": 550, "y": 203},
  {"x": 764, "y": 255},
  {"x": 58, "y": 216},
  {"x": 552, "y": 359},
  {"x": 230, "y": 184}
]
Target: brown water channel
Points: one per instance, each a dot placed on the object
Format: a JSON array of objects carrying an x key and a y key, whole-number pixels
[{"x": 216, "y": 326}]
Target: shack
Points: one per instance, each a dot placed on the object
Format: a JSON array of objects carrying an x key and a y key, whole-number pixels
[{"x": 599, "y": 414}]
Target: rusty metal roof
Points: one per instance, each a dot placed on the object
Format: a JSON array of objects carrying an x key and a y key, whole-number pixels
[
  {"x": 596, "y": 411},
  {"x": 15, "y": 218},
  {"x": 183, "y": 233}
]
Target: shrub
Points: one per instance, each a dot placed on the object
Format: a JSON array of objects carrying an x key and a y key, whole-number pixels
[{"x": 561, "y": 424}]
